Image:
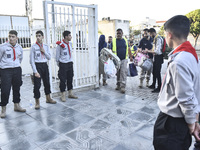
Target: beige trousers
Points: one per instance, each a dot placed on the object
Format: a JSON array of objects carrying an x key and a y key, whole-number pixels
[{"x": 122, "y": 74}]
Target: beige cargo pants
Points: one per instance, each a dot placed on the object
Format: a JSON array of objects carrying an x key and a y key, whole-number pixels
[{"x": 122, "y": 74}]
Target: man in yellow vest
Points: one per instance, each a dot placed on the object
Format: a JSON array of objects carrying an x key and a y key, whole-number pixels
[{"x": 121, "y": 48}]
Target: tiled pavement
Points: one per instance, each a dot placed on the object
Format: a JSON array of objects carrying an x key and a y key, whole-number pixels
[{"x": 101, "y": 119}]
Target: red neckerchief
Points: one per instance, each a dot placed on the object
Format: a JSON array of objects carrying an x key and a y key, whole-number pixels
[
  {"x": 13, "y": 52},
  {"x": 40, "y": 47},
  {"x": 187, "y": 47},
  {"x": 68, "y": 47}
]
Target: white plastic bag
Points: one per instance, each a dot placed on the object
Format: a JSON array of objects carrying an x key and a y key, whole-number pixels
[
  {"x": 109, "y": 68},
  {"x": 147, "y": 65}
]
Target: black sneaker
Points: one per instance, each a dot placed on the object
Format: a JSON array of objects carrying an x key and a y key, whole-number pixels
[
  {"x": 157, "y": 90},
  {"x": 152, "y": 86}
]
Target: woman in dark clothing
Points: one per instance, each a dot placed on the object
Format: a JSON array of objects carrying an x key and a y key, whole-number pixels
[{"x": 102, "y": 44}]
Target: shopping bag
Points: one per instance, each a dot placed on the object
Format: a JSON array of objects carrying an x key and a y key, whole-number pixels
[
  {"x": 132, "y": 70},
  {"x": 139, "y": 59},
  {"x": 147, "y": 65},
  {"x": 109, "y": 68}
]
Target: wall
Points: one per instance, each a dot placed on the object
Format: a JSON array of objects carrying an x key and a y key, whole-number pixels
[
  {"x": 5, "y": 21},
  {"x": 26, "y": 67},
  {"x": 124, "y": 25},
  {"x": 107, "y": 28},
  {"x": 38, "y": 24}
]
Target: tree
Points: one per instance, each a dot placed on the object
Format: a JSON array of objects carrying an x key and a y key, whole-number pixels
[
  {"x": 194, "y": 17},
  {"x": 100, "y": 32},
  {"x": 131, "y": 34},
  {"x": 136, "y": 32},
  {"x": 161, "y": 32}
]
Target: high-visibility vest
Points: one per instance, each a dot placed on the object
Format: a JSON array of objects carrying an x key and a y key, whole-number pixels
[
  {"x": 133, "y": 52},
  {"x": 114, "y": 47}
]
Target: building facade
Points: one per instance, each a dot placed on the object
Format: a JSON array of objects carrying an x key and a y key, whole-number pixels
[{"x": 109, "y": 26}]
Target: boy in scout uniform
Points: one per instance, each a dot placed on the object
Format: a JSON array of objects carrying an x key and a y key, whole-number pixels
[
  {"x": 39, "y": 56},
  {"x": 11, "y": 55},
  {"x": 65, "y": 62}
]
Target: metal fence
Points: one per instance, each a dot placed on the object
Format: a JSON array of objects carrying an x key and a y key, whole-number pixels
[
  {"x": 82, "y": 21},
  {"x": 24, "y": 36}
]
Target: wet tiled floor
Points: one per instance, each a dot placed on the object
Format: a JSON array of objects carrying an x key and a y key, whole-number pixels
[{"x": 101, "y": 119}]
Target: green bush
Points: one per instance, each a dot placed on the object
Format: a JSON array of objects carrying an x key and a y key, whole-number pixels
[{"x": 167, "y": 51}]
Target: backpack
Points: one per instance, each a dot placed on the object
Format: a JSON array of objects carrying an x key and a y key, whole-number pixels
[{"x": 163, "y": 45}]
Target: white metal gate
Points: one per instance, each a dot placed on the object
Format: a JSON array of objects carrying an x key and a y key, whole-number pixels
[{"x": 82, "y": 21}]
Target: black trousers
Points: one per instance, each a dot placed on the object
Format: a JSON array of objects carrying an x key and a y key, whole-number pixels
[
  {"x": 157, "y": 65},
  {"x": 43, "y": 70},
  {"x": 0, "y": 77},
  {"x": 65, "y": 74},
  {"x": 11, "y": 77},
  {"x": 171, "y": 133}
]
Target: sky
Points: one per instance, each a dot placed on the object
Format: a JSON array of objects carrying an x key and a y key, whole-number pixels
[{"x": 133, "y": 10}]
